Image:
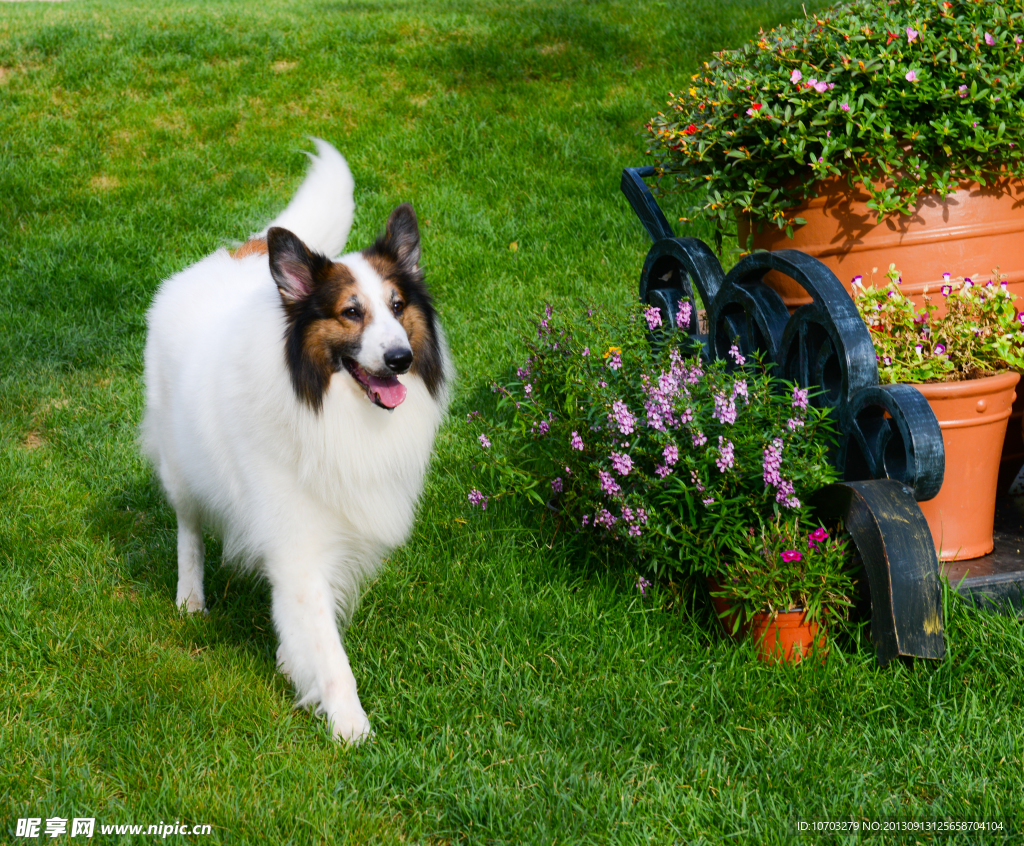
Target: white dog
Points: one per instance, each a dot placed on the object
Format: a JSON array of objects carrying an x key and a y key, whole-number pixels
[{"x": 291, "y": 405}]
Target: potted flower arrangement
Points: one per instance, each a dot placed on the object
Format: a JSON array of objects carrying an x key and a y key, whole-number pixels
[
  {"x": 964, "y": 358},
  {"x": 860, "y": 131},
  {"x": 691, "y": 467}
]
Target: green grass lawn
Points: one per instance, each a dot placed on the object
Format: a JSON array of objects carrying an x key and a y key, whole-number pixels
[{"x": 520, "y": 692}]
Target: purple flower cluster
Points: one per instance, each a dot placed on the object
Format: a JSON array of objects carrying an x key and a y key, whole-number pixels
[
  {"x": 608, "y": 483},
  {"x": 683, "y": 315},
  {"x": 726, "y": 458},
  {"x": 484, "y": 442},
  {"x": 725, "y": 408},
  {"x": 653, "y": 317},
  {"x": 556, "y": 485},
  {"x": 622, "y": 417},
  {"x": 576, "y": 442},
  {"x": 736, "y": 356},
  {"x": 621, "y": 464},
  {"x": 784, "y": 492},
  {"x": 477, "y": 498}
]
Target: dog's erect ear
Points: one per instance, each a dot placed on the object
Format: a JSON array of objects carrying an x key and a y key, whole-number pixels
[
  {"x": 402, "y": 237},
  {"x": 292, "y": 265}
]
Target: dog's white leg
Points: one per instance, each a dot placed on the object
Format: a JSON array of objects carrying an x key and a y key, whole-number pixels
[
  {"x": 191, "y": 553},
  {"x": 311, "y": 653}
]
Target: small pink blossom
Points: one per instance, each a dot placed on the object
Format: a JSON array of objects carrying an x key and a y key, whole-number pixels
[
  {"x": 989, "y": 39},
  {"x": 796, "y": 76},
  {"x": 963, "y": 90},
  {"x": 911, "y": 76},
  {"x": 844, "y": 106},
  {"x": 911, "y": 35},
  {"x": 791, "y": 555}
]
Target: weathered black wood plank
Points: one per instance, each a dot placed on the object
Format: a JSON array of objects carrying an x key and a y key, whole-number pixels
[{"x": 898, "y": 552}]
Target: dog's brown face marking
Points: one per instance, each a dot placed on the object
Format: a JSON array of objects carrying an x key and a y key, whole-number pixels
[{"x": 327, "y": 312}]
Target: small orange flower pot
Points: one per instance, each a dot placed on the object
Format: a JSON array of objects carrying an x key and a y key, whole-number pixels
[
  {"x": 789, "y": 636},
  {"x": 972, "y": 416}
]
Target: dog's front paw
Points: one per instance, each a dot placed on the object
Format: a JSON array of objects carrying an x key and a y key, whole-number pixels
[
  {"x": 282, "y": 663},
  {"x": 350, "y": 725},
  {"x": 191, "y": 603}
]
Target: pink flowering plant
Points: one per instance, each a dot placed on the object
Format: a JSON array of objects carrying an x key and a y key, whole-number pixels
[
  {"x": 688, "y": 466},
  {"x": 904, "y": 98},
  {"x": 978, "y": 333}
]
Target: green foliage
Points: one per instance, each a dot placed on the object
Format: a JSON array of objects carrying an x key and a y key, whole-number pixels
[
  {"x": 904, "y": 98},
  {"x": 979, "y": 332},
  {"x": 687, "y": 466}
]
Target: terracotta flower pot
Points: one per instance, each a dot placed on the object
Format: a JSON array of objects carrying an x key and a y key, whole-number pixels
[
  {"x": 729, "y": 617},
  {"x": 969, "y": 232},
  {"x": 972, "y": 416},
  {"x": 790, "y": 636}
]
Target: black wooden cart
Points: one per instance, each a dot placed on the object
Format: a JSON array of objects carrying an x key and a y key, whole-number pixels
[{"x": 890, "y": 453}]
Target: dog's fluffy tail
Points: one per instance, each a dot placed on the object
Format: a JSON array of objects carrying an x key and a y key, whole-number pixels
[{"x": 321, "y": 211}]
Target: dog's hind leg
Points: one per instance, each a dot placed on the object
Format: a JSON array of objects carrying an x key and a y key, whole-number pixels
[
  {"x": 191, "y": 553},
  {"x": 312, "y": 654}
]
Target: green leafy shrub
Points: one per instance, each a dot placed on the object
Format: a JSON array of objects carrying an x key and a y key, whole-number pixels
[
  {"x": 688, "y": 466},
  {"x": 904, "y": 98}
]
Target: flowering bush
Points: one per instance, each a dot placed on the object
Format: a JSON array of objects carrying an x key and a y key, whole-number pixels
[
  {"x": 980, "y": 333},
  {"x": 905, "y": 97},
  {"x": 689, "y": 466}
]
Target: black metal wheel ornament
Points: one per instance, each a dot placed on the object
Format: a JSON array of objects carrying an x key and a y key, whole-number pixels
[{"x": 890, "y": 453}]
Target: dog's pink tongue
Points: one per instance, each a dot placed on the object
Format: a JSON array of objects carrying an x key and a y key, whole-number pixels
[{"x": 389, "y": 391}]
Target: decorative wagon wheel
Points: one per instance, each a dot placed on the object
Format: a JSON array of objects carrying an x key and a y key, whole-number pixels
[{"x": 890, "y": 452}]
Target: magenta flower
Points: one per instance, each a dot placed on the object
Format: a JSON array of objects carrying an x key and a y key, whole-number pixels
[
  {"x": 819, "y": 535},
  {"x": 940, "y": 349},
  {"x": 800, "y": 397},
  {"x": 641, "y": 583},
  {"x": 963, "y": 90},
  {"x": 484, "y": 442},
  {"x": 670, "y": 454},
  {"x": 911, "y": 35},
  {"x": 576, "y": 442},
  {"x": 735, "y": 355},
  {"x": 844, "y": 106},
  {"x": 699, "y": 438},
  {"x": 556, "y": 484},
  {"x": 857, "y": 280},
  {"x": 1020, "y": 319},
  {"x": 911, "y": 76},
  {"x": 796, "y": 76},
  {"x": 477, "y": 498},
  {"x": 791, "y": 555},
  {"x": 615, "y": 360},
  {"x": 989, "y": 39},
  {"x": 946, "y": 290}
]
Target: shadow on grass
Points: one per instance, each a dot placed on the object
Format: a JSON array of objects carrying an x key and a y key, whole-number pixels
[{"x": 141, "y": 525}]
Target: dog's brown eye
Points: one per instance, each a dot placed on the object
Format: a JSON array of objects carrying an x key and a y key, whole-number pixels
[
  {"x": 352, "y": 313},
  {"x": 398, "y": 307}
]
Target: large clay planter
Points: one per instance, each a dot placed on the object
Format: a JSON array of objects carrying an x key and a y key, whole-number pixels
[
  {"x": 789, "y": 636},
  {"x": 972, "y": 416},
  {"x": 969, "y": 232}
]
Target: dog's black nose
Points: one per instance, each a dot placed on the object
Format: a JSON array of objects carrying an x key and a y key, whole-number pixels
[{"x": 398, "y": 359}]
